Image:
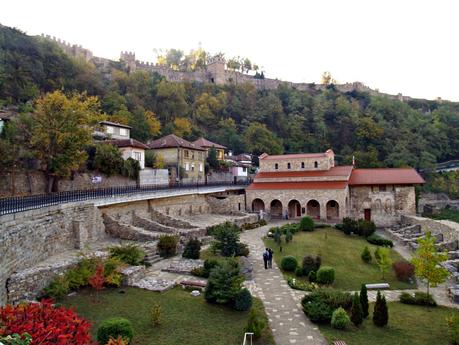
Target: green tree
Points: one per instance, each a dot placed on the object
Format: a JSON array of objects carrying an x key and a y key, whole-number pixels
[
  {"x": 259, "y": 139},
  {"x": 364, "y": 300},
  {"x": 61, "y": 129},
  {"x": 383, "y": 260},
  {"x": 380, "y": 312},
  {"x": 225, "y": 281},
  {"x": 356, "y": 310},
  {"x": 427, "y": 262},
  {"x": 212, "y": 159},
  {"x": 108, "y": 159}
]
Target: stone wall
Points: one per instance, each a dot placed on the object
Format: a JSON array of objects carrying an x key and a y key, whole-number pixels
[
  {"x": 449, "y": 229},
  {"x": 386, "y": 206},
  {"x": 27, "y": 238},
  {"x": 224, "y": 203},
  {"x": 35, "y": 183},
  {"x": 323, "y": 163}
]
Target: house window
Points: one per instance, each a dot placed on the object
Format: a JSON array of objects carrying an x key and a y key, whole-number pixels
[
  {"x": 187, "y": 166},
  {"x": 200, "y": 167},
  {"x": 186, "y": 153},
  {"x": 123, "y": 132},
  {"x": 276, "y": 166},
  {"x": 289, "y": 166},
  {"x": 316, "y": 164},
  {"x": 109, "y": 130},
  {"x": 302, "y": 165},
  {"x": 192, "y": 166},
  {"x": 244, "y": 169},
  {"x": 137, "y": 156}
]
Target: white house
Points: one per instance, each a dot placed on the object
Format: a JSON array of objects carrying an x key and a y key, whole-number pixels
[{"x": 131, "y": 148}]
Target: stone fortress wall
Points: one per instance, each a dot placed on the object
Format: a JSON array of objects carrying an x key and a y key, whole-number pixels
[{"x": 215, "y": 72}]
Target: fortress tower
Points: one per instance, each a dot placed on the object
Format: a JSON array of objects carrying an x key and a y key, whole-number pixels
[
  {"x": 216, "y": 70},
  {"x": 129, "y": 60}
]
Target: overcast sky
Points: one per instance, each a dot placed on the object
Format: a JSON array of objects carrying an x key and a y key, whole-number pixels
[{"x": 406, "y": 46}]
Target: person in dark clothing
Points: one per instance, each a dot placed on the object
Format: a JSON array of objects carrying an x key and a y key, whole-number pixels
[
  {"x": 266, "y": 258},
  {"x": 270, "y": 258}
]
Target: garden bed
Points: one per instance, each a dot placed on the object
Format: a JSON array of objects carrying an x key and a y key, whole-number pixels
[{"x": 342, "y": 252}]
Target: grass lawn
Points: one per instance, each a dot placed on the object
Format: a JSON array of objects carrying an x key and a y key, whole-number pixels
[
  {"x": 408, "y": 325},
  {"x": 447, "y": 214},
  {"x": 185, "y": 319},
  {"x": 341, "y": 252}
]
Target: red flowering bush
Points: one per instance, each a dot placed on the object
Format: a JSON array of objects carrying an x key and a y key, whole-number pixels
[
  {"x": 45, "y": 323},
  {"x": 403, "y": 270}
]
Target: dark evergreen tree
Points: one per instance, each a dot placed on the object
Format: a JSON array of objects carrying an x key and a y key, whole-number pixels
[
  {"x": 212, "y": 159},
  {"x": 380, "y": 313},
  {"x": 356, "y": 310},
  {"x": 364, "y": 300}
]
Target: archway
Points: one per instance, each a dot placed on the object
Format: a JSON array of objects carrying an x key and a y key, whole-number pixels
[
  {"x": 276, "y": 209},
  {"x": 332, "y": 210},
  {"x": 313, "y": 209},
  {"x": 294, "y": 209},
  {"x": 258, "y": 205}
]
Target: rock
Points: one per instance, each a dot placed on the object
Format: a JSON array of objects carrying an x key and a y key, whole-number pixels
[
  {"x": 154, "y": 284},
  {"x": 246, "y": 268},
  {"x": 183, "y": 266}
]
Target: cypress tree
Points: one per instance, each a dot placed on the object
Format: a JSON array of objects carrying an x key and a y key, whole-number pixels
[
  {"x": 356, "y": 310},
  {"x": 380, "y": 313},
  {"x": 364, "y": 300}
]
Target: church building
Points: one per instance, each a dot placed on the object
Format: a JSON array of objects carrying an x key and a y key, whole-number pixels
[{"x": 297, "y": 185}]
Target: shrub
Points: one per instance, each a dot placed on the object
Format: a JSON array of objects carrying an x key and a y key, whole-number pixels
[
  {"x": 365, "y": 228},
  {"x": 379, "y": 241},
  {"x": 301, "y": 285},
  {"x": 242, "y": 300},
  {"x": 312, "y": 276},
  {"x": 364, "y": 300},
  {"x": 242, "y": 250},
  {"x": 255, "y": 324},
  {"x": 117, "y": 341},
  {"x": 288, "y": 236},
  {"x": 380, "y": 312},
  {"x": 112, "y": 276},
  {"x": 320, "y": 303},
  {"x": 326, "y": 275},
  {"x": 340, "y": 319},
  {"x": 131, "y": 168},
  {"x": 45, "y": 323},
  {"x": 167, "y": 245},
  {"x": 306, "y": 224},
  {"x": 366, "y": 255},
  {"x": 58, "y": 288},
  {"x": 339, "y": 226},
  {"x": 289, "y": 263},
  {"x": 311, "y": 263},
  {"x": 419, "y": 298},
  {"x": 16, "y": 339},
  {"x": 156, "y": 315},
  {"x": 108, "y": 159},
  {"x": 200, "y": 272},
  {"x": 129, "y": 254},
  {"x": 453, "y": 329},
  {"x": 225, "y": 281},
  {"x": 403, "y": 270},
  {"x": 113, "y": 328},
  {"x": 227, "y": 238},
  {"x": 321, "y": 226},
  {"x": 192, "y": 249},
  {"x": 349, "y": 226},
  {"x": 97, "y": 280},
  {"x": 356, "y": 310},
  {"x": 299, "y": 272}
]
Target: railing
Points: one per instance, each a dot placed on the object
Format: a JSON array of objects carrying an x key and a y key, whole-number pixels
[
  {"x": 246, "y": 337},
  {"x": 23, "y": 203}
]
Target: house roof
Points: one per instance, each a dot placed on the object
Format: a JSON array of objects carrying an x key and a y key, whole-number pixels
[
  {"x": 385, "y": 176},
  {"x": 298, "y": 185},
  {"x": 344, "y": 170},
  {"x": 265, "y": 156},
  {"x": 128, "y": 143},
  {"x": 116, "y": 124},
  {"x": 172, "y": 140},
  {"x": 239, "y": 157},
  {"x": 208, "y": 144}
]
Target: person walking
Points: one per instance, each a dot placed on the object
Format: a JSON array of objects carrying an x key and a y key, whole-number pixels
[
  {"x": 266, "y": 258},
  {"x": 270, "y": 258}
]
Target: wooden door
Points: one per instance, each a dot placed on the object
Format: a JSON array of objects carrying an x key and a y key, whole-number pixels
[{"x": 367, "y": 213}]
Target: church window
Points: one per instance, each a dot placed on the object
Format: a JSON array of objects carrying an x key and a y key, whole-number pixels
[
  {"x": 316, "y": 164},
  {"x": 276, "y": 166},
  {"x": 289, "y": 166}
]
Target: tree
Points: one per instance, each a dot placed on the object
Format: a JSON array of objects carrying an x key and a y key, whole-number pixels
[
  {"x": 364, "y": 300},
  {"x": 356, "y": 310},
  {"x": 97, "y": 280},
  {"x": 108, "y": 159},
  {"x": 182, "y": 127},
  {"x": 62, "y": 128},
  {"x": 225, "y": 281},
  {"x": 212, "y": 159},
  {"x": 259, "y": 139},
  {"x": 383, "y": 260},
  {"x": 427, "y": 262},
  {"x": 380, "y": 312}
]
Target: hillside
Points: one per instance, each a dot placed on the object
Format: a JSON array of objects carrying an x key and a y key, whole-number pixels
[{"x": 378, "y": 131}]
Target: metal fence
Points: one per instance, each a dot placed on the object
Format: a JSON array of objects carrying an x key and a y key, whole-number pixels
[{"x": 23, "y": 203}]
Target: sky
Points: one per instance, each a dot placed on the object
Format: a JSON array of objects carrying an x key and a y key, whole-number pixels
[{"x": 396, "y": 46}]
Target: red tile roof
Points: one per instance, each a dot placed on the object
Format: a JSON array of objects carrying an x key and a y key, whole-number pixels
[
  {"x": 208, "y": 144},
  {"x": 172, "y": 140},
  {"x": 298, "y": 185},
  {"x": 385, "y": 176},
  {"x": 127, "y": 143},
  {"x": 344, "y": 170}
]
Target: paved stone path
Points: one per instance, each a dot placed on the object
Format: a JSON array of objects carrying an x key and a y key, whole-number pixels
[{"x": 282, "y": 304}]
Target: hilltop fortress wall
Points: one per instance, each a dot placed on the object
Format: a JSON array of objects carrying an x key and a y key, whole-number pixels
[{"x": 215, "y": 72}]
